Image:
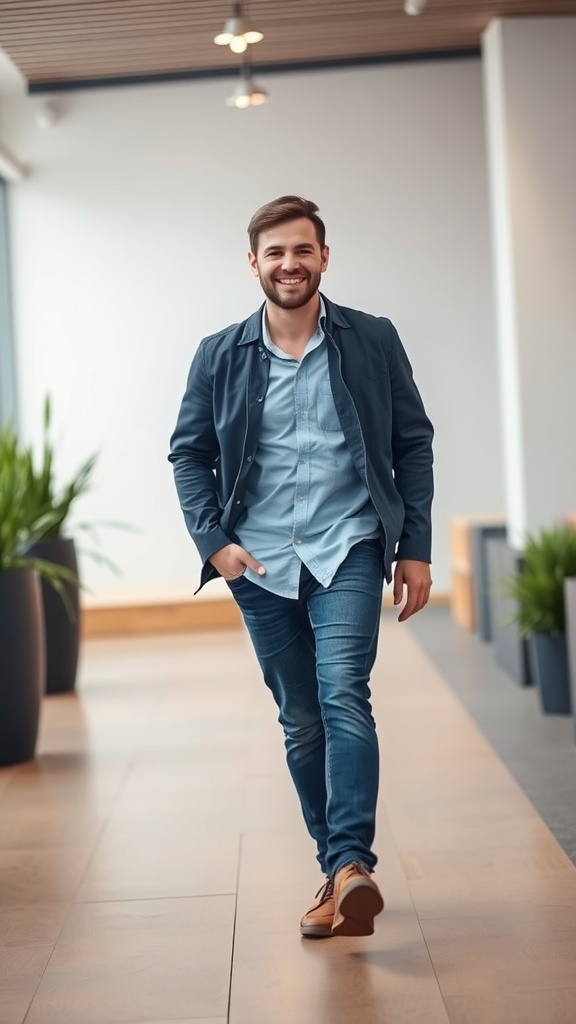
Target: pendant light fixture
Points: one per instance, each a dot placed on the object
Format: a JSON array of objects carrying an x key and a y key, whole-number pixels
[
  {"x": 238, "y": 33},
  {"x": 246, "y": 93}
]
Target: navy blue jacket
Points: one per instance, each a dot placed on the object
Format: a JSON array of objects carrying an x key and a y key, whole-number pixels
[{"x": 382, "y": 416}]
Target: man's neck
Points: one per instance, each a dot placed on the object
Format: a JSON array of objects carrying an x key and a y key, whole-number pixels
[{"x": 291, "y": 329}]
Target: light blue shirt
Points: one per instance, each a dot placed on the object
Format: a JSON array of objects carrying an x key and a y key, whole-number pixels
[{"x": 305, "y": 501}]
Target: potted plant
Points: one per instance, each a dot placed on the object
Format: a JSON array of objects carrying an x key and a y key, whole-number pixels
[
  {"x": 53, "y": 505},
  {"x": 22, "y": 648},
  {"x": 538, "y": 589}
]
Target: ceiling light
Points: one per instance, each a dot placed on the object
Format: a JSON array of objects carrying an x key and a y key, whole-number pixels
[
  {"x": 246, "y": 92},
  {"x": 414, "y": 6},
  {"x": 238, "y": 33}
]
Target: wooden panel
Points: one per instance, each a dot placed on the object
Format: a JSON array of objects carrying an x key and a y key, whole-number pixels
[
  {"x": 68, "y": 40},
  {"x": 178, "y": 617},
  {"x": 460, "y": 548},
  {"x": 462, "y": 599},
  {"x": 168, "y": 617}
]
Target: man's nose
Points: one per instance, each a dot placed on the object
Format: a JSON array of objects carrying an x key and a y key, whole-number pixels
[{"x": 290, "y": 261}]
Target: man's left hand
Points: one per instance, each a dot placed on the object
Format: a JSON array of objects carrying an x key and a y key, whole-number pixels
[{"x": 415, "y": 576}]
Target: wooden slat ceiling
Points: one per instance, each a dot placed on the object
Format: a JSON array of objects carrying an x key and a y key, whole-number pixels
[{"x": 59, "y": 43}]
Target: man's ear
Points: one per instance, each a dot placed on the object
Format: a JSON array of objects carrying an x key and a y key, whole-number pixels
[
  {"x": 325, "y": 258},
  {"x": 253, "y": 264}
]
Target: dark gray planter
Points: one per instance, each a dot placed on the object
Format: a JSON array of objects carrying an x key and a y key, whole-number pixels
[
  {"x": 22, "y": 664},
  {"x": 510, "y": 650},
  {"x": 62, "y": 631},
  {"x": 549, "y": 663},
  {"x": 570, "y": 609},
  {"x": 480, "y": 534}
]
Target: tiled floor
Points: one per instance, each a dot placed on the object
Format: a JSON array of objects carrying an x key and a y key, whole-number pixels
[
  {"x": 539, "y": 750},
  {"x": 154, "y": 865}
]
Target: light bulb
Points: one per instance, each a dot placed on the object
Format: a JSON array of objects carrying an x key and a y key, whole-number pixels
[
  {"x": 238, "y": 44},
  {"x": 253, "y": 36}
]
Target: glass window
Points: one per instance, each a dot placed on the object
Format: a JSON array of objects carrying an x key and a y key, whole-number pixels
[{"x": 7, "y": 375}]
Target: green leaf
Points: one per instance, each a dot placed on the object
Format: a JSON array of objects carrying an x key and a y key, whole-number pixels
[{"x": 538, "y": 587}]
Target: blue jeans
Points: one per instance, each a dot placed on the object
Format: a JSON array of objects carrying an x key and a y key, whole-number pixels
[{"x": 316, "y": 654}]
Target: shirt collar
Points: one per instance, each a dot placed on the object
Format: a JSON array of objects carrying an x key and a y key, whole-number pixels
[{"x": 266, "y": 333}]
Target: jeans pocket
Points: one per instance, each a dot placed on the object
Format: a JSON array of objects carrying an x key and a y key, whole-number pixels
[{"x": 233, "y": 583}]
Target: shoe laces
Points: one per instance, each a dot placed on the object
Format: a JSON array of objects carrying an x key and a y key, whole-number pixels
[{"x": 326, "y": 891}]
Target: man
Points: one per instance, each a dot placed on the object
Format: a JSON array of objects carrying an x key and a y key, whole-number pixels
[{"x": 303, "y": 461}]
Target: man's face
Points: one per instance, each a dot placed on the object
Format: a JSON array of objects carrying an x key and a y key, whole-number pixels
[{"x": 289, "y": 263}]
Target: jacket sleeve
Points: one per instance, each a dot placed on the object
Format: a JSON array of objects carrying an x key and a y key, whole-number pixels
[
  {"x": 412, "y": 435},
  {"x": 194, "y": 453}
]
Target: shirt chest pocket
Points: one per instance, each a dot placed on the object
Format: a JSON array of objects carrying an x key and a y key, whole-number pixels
[{"x": 327, "y": 417}]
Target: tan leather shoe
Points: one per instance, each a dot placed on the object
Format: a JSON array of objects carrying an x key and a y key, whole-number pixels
[
  {"x": 317, "y": 922},
  {"x": 357, "y": 901}
]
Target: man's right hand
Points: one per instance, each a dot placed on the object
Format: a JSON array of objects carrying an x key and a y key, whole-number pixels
[{"x": 231, "y": 561}]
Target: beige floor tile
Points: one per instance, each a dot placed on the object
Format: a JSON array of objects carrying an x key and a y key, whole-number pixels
[
  {"x": 503, "y": 952},
  {"x": 35, "y": 925},
  {"x": 29, "y": 828},
  {"x": 187, "y": 1020},
  {"x": 78, "y": 781},
  {"x": 278, "y": 976},
  {"x": 21, "y": 970},
  {"x": 202, "y": 813},
  {"x": 50, "y": 875},
  {"x": 160, "y": 867},
  {"x": 544, "y": 1006},
  {"x": 151, "y": 961}
]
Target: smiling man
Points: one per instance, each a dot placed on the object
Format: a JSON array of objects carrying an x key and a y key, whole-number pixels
[{"x": 303, "y": 462}]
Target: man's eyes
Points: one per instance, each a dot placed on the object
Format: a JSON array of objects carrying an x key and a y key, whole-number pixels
[{"x": 274, "y": 253}]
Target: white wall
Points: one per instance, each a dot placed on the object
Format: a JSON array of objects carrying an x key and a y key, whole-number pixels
[
  {"x": 530, "y": 81},
  {"x": 129, "y": 244}
]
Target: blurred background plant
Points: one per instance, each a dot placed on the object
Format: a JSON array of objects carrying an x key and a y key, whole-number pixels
[
  {"x": 53, "y": 503},
  {"x": 538, "y": 587},
  {"x": 22, "y": 521}
]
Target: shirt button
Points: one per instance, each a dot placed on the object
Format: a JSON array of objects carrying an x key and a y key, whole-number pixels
[
  {"x": 249, "y": 459},
  {"x": 298, "y": 541},
  {"x": 260, "y": 398},
  {"x": 238, "y": 501}
]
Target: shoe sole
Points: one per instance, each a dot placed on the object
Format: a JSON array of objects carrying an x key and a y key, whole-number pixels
[
  {"x": 357, "y": 908},
  {"x": 315, "y": 932}
]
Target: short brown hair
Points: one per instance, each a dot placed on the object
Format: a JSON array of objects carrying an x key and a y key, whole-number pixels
[{"x": 280, "y": 210}]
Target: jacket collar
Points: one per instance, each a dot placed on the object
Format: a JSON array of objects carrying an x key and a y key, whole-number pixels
[{"x": 253, "y": 325}]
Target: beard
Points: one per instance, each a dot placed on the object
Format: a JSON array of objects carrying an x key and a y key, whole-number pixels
[{"x": 275, "y": 294}]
